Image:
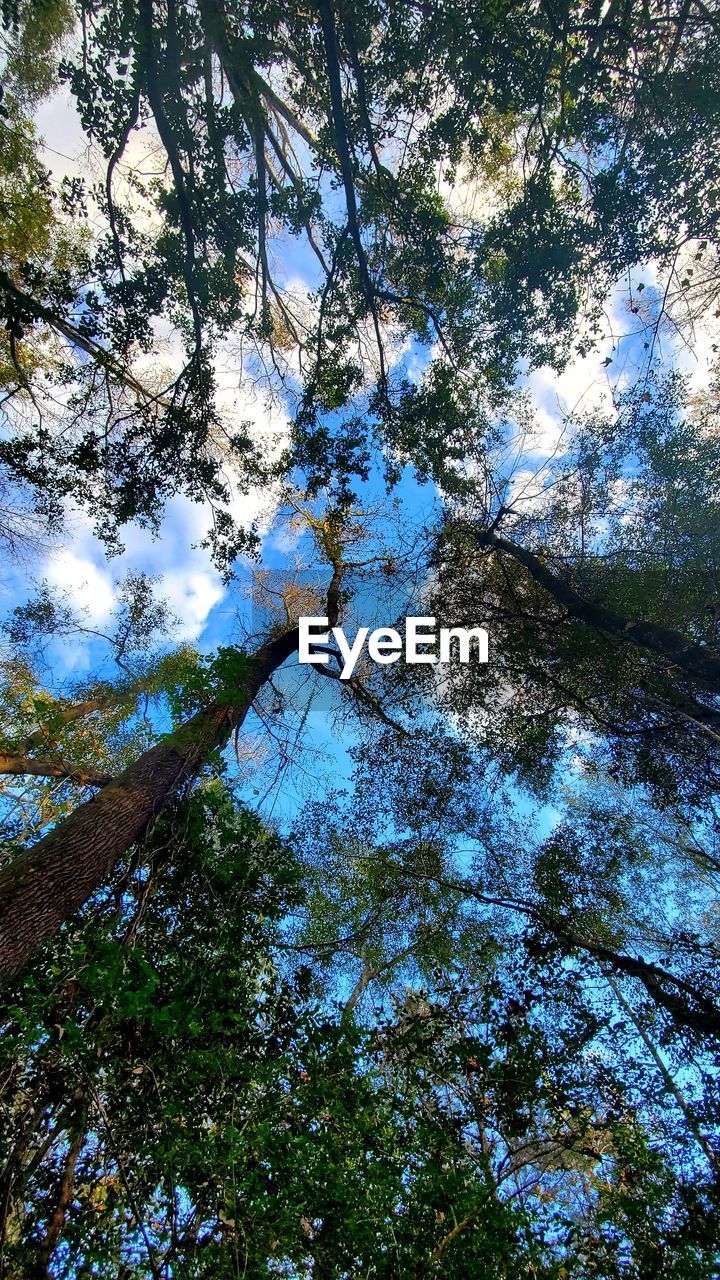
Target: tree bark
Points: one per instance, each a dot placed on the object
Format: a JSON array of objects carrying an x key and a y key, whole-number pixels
[
  {"x": 50, "y": 881},
  {"x": 696, "y": 660}
]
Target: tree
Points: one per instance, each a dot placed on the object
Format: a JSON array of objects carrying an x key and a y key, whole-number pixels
[
  {"x": 51, "y": 880},
  {"x": 30, "y": 229},
  {"x": 451, "y": 1130},
  {"x": 598, "y": 596},
  {"x": 358, "y": 102},
  {"x": 84, "y": 734},
  {"x": 462, "y": 855},
  {"x": 485, "y": 1014}
]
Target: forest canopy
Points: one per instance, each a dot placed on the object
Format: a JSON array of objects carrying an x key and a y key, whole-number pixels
[{"x": 369, "y": 313}]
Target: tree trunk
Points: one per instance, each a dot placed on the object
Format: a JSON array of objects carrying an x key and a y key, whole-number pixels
[
  {"x": 696, "y": 660},
  {"x": 50, "y": 881},
  {"x": 64, "y": 1194}
]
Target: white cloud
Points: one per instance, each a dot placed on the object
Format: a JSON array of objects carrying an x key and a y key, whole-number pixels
[
  {"x": 185, "y": 574},
  {"x": 87, "y": 588},
  {"x": 527, "y": 491},
  {"x": 191, "y": 596},
  {"x": 68, "y": 151},
  {"x": 583, "y": 384}
]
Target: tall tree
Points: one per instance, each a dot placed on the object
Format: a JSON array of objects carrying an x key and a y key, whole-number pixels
[
  {"x": 50, "y": 880},
  {"x": 598, "y": 590}
]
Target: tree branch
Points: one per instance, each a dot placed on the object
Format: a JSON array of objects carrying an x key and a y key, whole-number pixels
[{"x": 21, "y": 766}]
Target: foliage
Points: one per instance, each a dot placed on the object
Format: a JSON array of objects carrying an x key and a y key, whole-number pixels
[
  {"x": 464, "y": 1020},
  {"x": 263, "y": 120},
  {"x": 196, "y": 681},
  {"x": 629, "y": 519},
  {"x": 226, "y": 1118}
]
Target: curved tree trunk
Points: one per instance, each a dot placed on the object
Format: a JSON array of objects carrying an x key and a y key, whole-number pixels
[
  {"x": 696, "y": 660},
  {"x": 50, "y": 881}
]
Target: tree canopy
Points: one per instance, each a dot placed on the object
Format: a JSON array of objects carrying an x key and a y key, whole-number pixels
[{"x": 364, "y": 312}]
